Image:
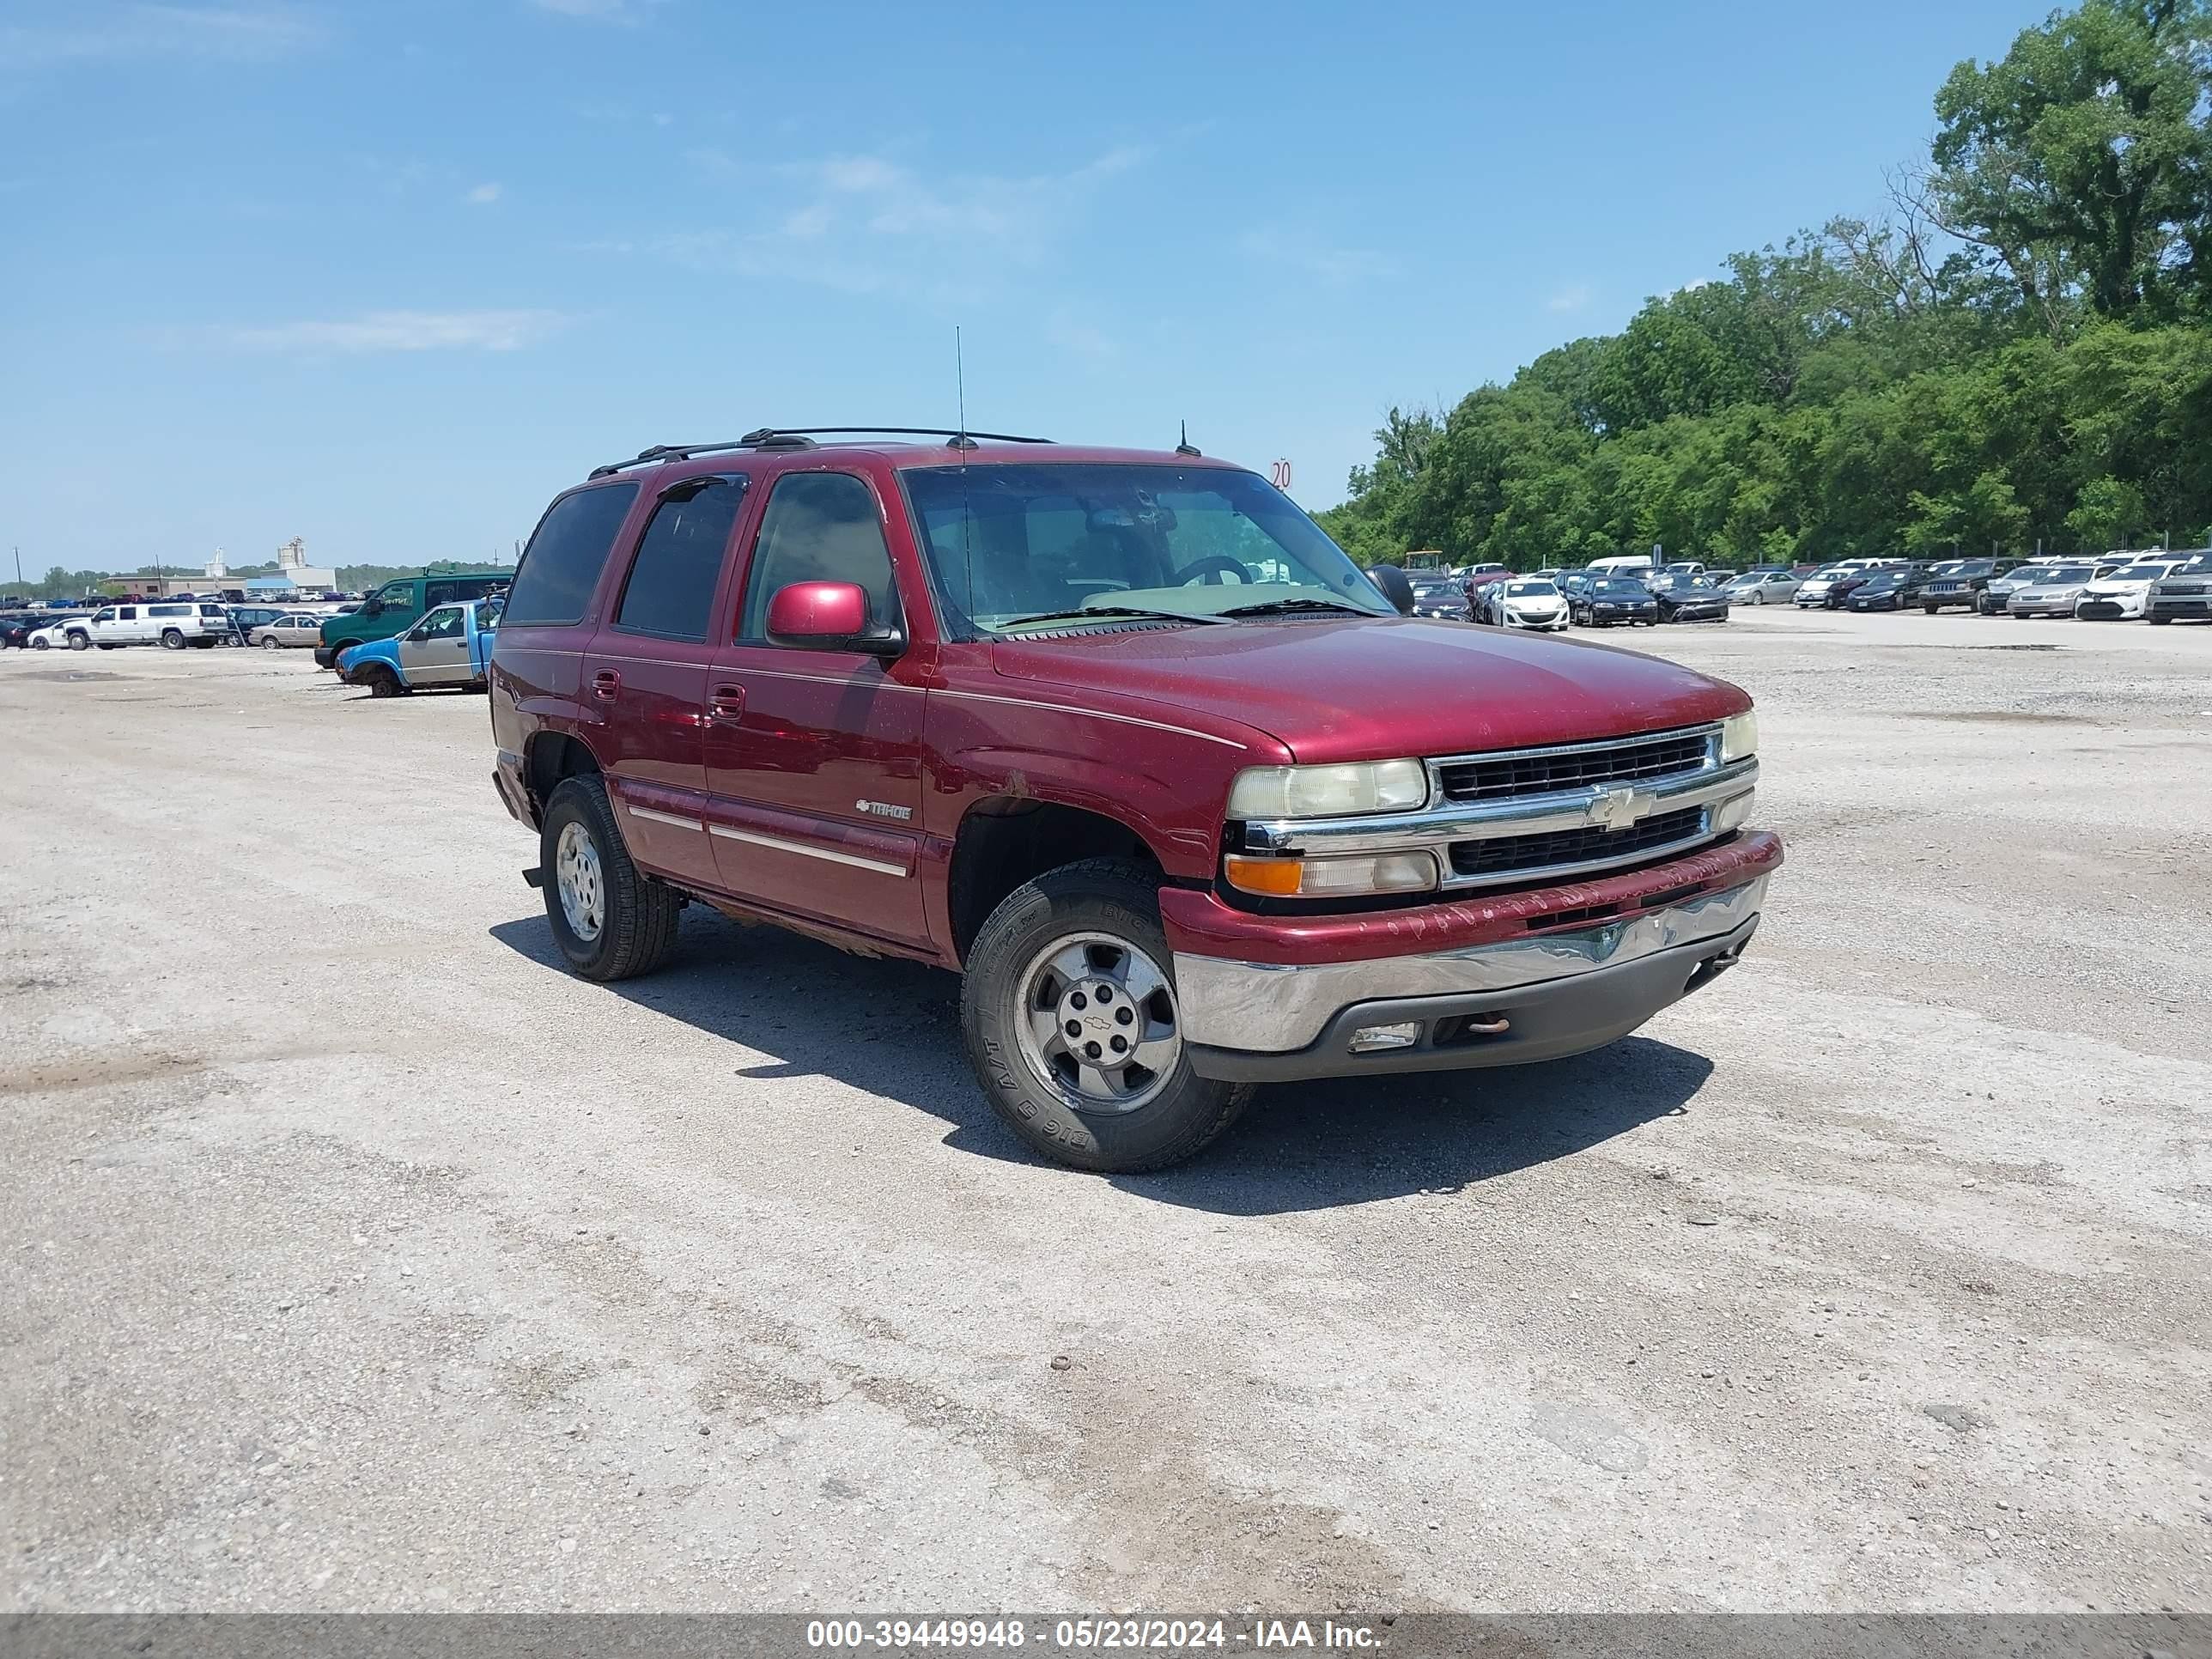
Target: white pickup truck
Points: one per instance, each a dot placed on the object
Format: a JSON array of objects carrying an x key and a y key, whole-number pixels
[{"x": 175, "y": 623}]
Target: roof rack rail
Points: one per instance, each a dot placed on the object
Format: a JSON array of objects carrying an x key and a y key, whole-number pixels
[
  {"x": 763, "y": 439},
  {"x": 771, "y": 432},
  {"x": 802, "y": 437}
]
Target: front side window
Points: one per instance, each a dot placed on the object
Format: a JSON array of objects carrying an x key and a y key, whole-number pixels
[
  {"x": 440, "y": 625},
  {"x": 819, "y": 527},
  {"x": 106, "y": 615},
  {"x": 1007, "y": 544},
  {"x": 397, "y": 596},
  {"x": 679, "y": 560},
  {"x": 562, "y": 565}
]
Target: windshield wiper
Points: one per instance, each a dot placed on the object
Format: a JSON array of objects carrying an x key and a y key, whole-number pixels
[
  {"x": 1274, "y": 607},
  {"x": 1090, "y": 611}
]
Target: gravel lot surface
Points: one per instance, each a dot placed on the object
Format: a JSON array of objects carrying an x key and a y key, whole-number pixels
[{"x": 357, "y": 1257}]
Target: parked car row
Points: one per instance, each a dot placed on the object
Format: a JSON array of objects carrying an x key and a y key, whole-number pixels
[
  {"x": 2162, "y": 588},
  {"x": 175, "y": 623},
  {"x": 1608, "y": 592}
]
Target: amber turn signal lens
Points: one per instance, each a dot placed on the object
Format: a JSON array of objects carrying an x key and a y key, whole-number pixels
[{"x": 1269, "y": 878}]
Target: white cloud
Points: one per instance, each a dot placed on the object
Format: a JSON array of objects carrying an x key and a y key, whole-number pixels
[
  {"x": 598, "y": 11},
  {"x": 241, "y": 33},
  {"x": 1069, "y": 331},
  {"x": 405, "y": 331},
  {"x": 483, "y": 196},
  {"x": 870, "y": 224},
  {"x": 1337, "y": 267},
  {"x": 1573, "y": 297}
]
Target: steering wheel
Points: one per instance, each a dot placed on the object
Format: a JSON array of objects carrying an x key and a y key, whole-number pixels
[{"x": 1212, "y": 564}]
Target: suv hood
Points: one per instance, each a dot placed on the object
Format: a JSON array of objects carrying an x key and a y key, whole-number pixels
[{"x": 1381, "y": 688}]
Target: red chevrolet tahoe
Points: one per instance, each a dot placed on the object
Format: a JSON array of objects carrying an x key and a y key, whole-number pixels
[{"x": 1126, "y": 741}]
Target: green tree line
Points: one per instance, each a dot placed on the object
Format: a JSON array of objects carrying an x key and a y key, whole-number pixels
[{"x": 2017, "y": 352}]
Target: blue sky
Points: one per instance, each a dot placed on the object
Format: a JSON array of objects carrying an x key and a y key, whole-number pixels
[{"x": 386, "y": 276}]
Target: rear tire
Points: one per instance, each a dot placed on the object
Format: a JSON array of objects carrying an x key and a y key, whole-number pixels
[
  {"x": 611, "y": 921},
  {"x": 1105, "y": 912},
  {"x": 84, "y": 642},
  {"x": 172, "y": 640}
]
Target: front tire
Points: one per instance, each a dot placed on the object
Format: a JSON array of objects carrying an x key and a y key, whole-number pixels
[
  {"x": 271, "y": 643},
  {"x": 1081, "y": 947},
  {"x": 610, "y": 920}
]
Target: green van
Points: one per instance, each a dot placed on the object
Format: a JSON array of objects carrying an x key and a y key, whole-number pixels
[{"x": 399, "y": 602}]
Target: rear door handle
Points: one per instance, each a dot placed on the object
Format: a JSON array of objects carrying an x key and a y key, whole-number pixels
[
  {"x": 727, "y": 702},
  {"x": 606, "y": 684}
]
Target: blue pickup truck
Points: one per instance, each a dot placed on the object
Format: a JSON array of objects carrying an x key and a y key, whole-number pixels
[{"x": 450, "y": 646}]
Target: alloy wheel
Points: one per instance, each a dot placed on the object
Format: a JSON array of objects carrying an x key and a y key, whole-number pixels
[
  {"x": 1099, "y": 1024},
  {"x": 582, "y": 889}
]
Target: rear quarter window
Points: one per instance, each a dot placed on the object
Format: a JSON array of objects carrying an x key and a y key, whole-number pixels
[{"x": 562, "y": 565}]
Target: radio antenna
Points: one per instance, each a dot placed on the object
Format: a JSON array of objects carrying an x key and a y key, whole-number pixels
[{"x": 960, "y": 439}]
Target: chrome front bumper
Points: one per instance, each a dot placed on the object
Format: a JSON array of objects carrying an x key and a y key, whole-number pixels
[{"x": 1269, "y": 1008}]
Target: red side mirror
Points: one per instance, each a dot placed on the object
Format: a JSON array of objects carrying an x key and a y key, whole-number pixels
[{"x": 818, "y": 613}]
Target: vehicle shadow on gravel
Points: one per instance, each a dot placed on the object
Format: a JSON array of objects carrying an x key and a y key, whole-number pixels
[{"x": 891, "y": 1028}]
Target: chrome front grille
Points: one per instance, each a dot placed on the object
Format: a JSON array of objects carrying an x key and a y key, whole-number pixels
[
  {"x": 1515, "y": 772},
  {"x": 1510, "y": 855},
  {"x": 1522, "y": 817}
]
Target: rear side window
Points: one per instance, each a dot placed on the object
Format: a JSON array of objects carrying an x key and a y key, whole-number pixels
[
  {"x": 679, "y": 560},
  {"x": 562, "y": 565},
  {"x": 169, "y": 610}
]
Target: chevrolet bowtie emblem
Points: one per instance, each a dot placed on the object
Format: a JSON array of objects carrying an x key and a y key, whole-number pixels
[{"x": 1616, "y": 808}]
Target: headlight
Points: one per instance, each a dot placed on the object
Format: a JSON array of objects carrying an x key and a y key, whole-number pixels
[
  {"x": 1340, "y": 877},
  {"x": 1739, "y": 736},
  {"x": 1328, "y": 792}
]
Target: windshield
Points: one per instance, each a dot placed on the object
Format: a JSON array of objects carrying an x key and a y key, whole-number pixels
[
  {"x": 2139, "y": 572},
  {"x": 2072, "y": 573},
  {"x": 1531, "y": 591},
  {"x": 2022, "y": 578},
  {"x": 1011, "y": 544},
  {"x": 1620, "y": 587}
]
